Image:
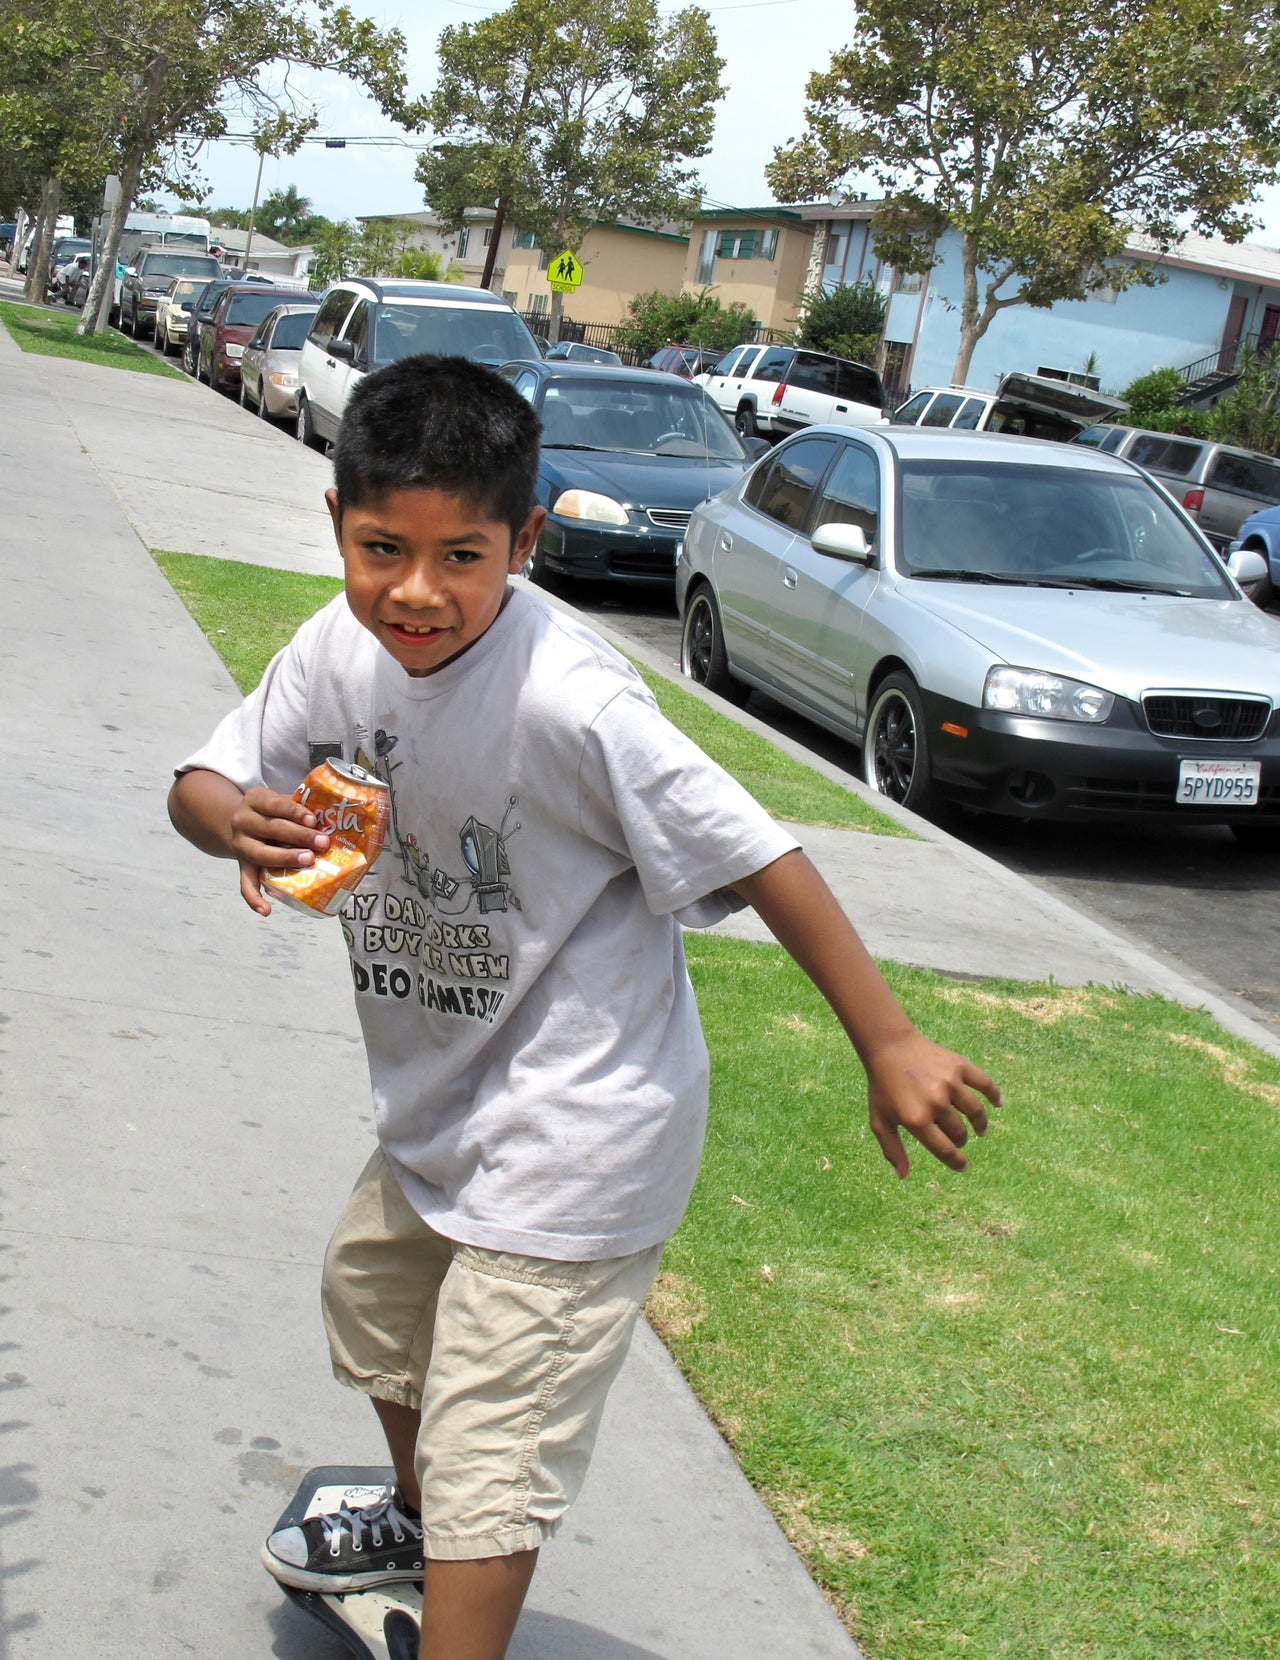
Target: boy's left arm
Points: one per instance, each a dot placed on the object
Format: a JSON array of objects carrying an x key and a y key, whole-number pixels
[{"x": 912, "y": 1084}]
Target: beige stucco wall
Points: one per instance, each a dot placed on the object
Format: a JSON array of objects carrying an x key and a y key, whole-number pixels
[
  {"x": 616, "y": 264},
  {"x": 770, "y": 287}
]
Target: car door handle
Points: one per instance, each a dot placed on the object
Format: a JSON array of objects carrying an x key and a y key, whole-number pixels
[
  {"x": 789, "y": 577},
  {"x": 726, "y": 541},
  {"x": 842, "y": 409}
]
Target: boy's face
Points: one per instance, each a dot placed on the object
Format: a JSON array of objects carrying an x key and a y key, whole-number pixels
[{"x": 426, "y": 571}]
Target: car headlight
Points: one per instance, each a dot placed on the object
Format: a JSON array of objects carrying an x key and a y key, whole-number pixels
[
  {"x": 587, "y": 504},
  {"x": 1031, "y": 692},
  {"x": 232, "y": 350},
  {"x": 284, "y": 379}
]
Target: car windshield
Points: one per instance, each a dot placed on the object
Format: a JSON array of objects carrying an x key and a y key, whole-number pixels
[
  {"x": 160, "y": 266},
  {"x": 291, "y": 331},
  {"x": 1047, "y": 526},
  {"x": 484, "y": 333},
  {"x": 658, "y": 418},
  {"x": 183, "y": 292},
  {"x": 250, "y": 308}
]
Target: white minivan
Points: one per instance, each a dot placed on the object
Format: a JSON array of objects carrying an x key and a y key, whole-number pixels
[{"x": 365, "y": 322}]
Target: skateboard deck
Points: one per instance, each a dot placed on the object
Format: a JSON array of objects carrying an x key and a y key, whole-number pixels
[{"x": 377, "y": 1624}]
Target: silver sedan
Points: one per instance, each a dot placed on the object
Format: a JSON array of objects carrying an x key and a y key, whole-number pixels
[
  {"x": 1001, "y": 623},
  {"x": 269, "y": 367}
]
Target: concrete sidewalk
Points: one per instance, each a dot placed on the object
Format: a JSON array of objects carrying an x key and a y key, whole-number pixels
[{"x": 179, "y": 1103}]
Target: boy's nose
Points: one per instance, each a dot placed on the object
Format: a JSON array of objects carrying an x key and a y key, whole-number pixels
[{"x": 419, "y": 587}]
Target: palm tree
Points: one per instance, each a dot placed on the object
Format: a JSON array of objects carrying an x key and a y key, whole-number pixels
[{"x": 283, "y": 213}]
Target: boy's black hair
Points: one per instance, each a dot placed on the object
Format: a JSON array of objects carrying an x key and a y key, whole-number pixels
[{"x": 440, "y": 423}]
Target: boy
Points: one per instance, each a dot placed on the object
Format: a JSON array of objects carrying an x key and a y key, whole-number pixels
[{"x": 539, "y": 1077}]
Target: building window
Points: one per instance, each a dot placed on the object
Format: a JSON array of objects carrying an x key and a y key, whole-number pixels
[
  {"x": 544, "y": 259},
  {"x": 509, "y": 295},
  {"x": 524, "y": 239},
  {"x": 706, "y": 259},
  {"x": 538, "y": 305},
  {"x": 464, "y": 236},
  {"x": 488, "y": 235},
  {"x": 910, "y": 282},
  {"x": 757, "y": 244}
]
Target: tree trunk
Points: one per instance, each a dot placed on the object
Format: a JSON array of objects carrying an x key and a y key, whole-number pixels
[
  {"x": 491, "y": 257},
  {"x": 972, "y": 327},
  {"x": 38, "y": 265},
  {"x": 105, "y": 275}
]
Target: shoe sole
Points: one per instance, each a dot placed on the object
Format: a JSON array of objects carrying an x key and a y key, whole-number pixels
[{"x": 303, "y": 1579}]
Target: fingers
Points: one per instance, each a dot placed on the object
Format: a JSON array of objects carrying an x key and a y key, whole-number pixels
[
  {"x": 270, "y": 829},
  {"x": 251, "y": 888}
]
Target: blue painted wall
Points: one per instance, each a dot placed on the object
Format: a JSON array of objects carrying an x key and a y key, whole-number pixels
[{"x": 1176, "y": 322}]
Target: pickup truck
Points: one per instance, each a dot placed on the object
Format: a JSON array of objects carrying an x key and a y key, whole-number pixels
[{"x": 146, "y": 281}]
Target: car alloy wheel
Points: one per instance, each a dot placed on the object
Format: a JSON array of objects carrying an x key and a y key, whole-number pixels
[
  {"x": 702, "y": 654},
  {"x": 895, "y": 752}
]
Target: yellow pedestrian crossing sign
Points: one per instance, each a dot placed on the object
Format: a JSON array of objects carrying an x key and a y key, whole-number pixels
[{"x": 565, "y": 273}]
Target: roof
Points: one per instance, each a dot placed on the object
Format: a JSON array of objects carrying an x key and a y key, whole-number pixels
[
  {"x": 234, "y": 241},
  {"x": 1245, "y": 261},
  {"x": 790, "y": 214}
]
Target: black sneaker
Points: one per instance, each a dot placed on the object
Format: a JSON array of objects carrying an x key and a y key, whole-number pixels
[{"x": 348, "y": 1550}]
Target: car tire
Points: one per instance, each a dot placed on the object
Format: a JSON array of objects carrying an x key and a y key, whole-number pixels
[
  {"x": 702, "y": 654},
  {"x": 305, "y": 430},
  {"x": 1257, "y": 838},
  {"x": 264, "y": 414},
  {"x": 895, "y": 748},
  {"x": 244, "y": 394},
  {"x": 745, "y": 421},
  {"x": 131, "y": 327}
]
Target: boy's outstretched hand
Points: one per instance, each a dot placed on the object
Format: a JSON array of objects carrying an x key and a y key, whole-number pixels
[
  {"x": 933, "y": 1094},
  {"x": 258, "y": 827},
  {"x": 912, "y": 1084}
]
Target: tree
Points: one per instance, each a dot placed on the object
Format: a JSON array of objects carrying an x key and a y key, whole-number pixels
[
  {"x": 1250, "y": 414},
  {"x": 1044, "y": 134},
  {"x": 847, "y": 321},
  {"x": 176, "y": 68},
  {"x": 566, "y": 112},
  {"x": 337, "y": 253},
  {"x": 283, "y": 213}
]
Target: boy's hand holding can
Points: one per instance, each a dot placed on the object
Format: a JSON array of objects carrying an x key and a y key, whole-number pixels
[{"x": 272, "y": 831}]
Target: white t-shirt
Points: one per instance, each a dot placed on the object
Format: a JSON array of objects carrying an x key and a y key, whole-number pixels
[{"x": 538, "y": 1069}]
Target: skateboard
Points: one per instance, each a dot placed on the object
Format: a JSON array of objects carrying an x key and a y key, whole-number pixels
[{"x": 382, "y": 1622}]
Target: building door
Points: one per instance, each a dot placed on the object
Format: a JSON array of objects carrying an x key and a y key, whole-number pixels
[
  {"x": 1231, "y": 333},
  {"x": 1270, "y": 327}
]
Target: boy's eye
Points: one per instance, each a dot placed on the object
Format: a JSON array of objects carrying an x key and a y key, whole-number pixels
[
  {"x": 464, "y": 556},
  {"x": 385, "y": 550}
]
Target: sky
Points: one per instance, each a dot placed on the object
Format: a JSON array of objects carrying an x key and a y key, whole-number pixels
[{"x": 771, "y": 47}]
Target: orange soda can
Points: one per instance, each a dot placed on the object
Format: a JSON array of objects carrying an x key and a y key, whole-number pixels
[{"x": 351, "y": 807}]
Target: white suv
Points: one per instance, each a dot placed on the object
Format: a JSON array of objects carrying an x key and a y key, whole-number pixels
[
  {"x": 365, "y": 322},
  {"x": 779, "y": 389}
]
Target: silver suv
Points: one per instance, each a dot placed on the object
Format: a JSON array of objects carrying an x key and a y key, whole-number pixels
[
  {"x": 1218, "y": 485},
  {"x": 366, "y": 322},
  {"x": 779, "y": 389}
]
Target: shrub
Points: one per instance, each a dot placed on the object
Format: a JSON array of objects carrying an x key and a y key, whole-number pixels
[
  {"x": 846, "y": 321},
  {"x": 1250, "y": 414},
  {"x": 655, "y": 320}
]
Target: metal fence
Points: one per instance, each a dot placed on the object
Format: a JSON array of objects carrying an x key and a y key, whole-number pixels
[{"x": 611, "y": 336}]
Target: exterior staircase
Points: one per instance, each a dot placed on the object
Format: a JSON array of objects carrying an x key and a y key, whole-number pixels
[{"x": 1208, "y": 378}]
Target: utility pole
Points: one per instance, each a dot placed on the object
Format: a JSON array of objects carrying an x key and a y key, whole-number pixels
[{"x": 253, "y": 211}]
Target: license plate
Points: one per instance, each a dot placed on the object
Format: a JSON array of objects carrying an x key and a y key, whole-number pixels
[{"x": 1218, "y": 783}]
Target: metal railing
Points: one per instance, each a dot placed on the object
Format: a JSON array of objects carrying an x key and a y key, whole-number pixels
[{"x": 1227, "y": 360}]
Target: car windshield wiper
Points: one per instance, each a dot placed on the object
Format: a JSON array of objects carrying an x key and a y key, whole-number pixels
[
  {"x": 1120, "y": 585},
  {"x": 601, "y": 448},
  {"x": 958, "y": 575}
]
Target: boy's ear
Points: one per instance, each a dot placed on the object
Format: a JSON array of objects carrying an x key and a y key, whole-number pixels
[
  {"x": 526, "y": 540},
  {"x": 335, "y": 513}
]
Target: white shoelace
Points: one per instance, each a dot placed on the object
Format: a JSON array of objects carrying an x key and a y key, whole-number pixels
[{"x": 371, "y": 1520}]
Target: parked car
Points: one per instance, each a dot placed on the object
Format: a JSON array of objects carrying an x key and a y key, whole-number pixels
[
  {"x": 779, "y": 389},
  {"x": 269, "y": 367},
  {"x": 365, "y": 322},
  {"x": 1032, "y": 406},
  {"x": 1219, "y": 485},
  {"x": 64, "y": 250},
  {"x": 146, "y": 280},
  {"x": 577, "y": 351},
  {"x": 685, "y": 361},
  {"x": 79, "y": 288},
  {"x": 1023, "y": 628},
  {"x": 198, "y": 316},
  {"x": 626, "y": 457},
  {"x": 1260, "y": 533},
  {"x": 173, "y": 313},
  {"x": 229, "y": 329},
  {"x": 62, "y": 282}
]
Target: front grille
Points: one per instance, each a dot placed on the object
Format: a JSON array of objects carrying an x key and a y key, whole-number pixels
[
  {"x": 1144, "y": 795},
  {"x": 1206, "y": 716},
  {"x": 669, "y": 518}
]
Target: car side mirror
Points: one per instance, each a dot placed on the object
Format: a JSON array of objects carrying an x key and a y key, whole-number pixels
[
  {"x": 1247, "y": 566},
  {"x": 344, "y": 349},
  {"x": 756, "y": 447},
  {"x": 844, "y": 541}
]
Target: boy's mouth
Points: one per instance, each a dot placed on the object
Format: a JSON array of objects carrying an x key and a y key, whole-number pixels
[{"x": 413, "y": 633}]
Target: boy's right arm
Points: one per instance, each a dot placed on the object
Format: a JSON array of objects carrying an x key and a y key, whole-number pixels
[{"x": 257, "y": 827}]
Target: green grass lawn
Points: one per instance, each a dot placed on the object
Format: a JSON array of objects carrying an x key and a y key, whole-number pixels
[
  {"x": 53, "y": 336},
  {"x": 1030, "y": 1412},
  {"x": 248, "y": 612}
]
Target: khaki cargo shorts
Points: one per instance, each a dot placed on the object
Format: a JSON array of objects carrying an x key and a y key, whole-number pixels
[{"x": 509, "y": 1358}]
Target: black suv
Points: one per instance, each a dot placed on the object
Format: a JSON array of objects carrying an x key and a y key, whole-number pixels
[{"x": 146, "y": 282}]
